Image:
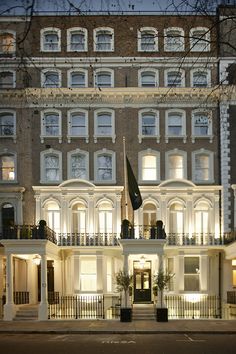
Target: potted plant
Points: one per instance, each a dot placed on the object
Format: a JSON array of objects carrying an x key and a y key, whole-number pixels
[
  {"x": 161, "y": 282},
  {"x": 123, "y": 284}
]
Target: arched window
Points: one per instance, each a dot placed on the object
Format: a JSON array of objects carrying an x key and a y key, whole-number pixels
[
  {"x": 175, "y": 124},
  {"x": 176, "y": 166},
  {"x": 50, "y": 39},
  {"x": 79, "y": 218},
  {"x": 7, "y": 42},
  {"x": 104, "y": 78},
  {"x": 7, "y": 124},
  {"x": 105, "y": 166},
  {"x": 200, "y": 78},
  {"x": 202, "y": 219},
  {"x": 51, "y": 78},
  {"x": 7, "y": 215},
  {"x": 50, "y": 124},
  {"x": 176, "y": 225},
  {"x": 149, "y": 166},
  {"x": 203, "y": 171},
  {"x": 77, "y": 124},
  {"x": 105, "y": 223},
  {"x": 148, "y": 124},
  {"x": 174, "y": 78},
  {"x": 103, "y": 39},
  {"x": 53, "y": 216},
  {"x": 51, "y": 166},
  {"x": 148, "y": 78},
  {"x": 200, "y": 39},
  {"x": 104, "y": 124},
  {"x": 78, "y": 78},
  {"x": 173, "y": 39},
  {"x": 7, "y": 79},
  {"x": 147, "y": 39},
  {"x": 78, "y": 164},
  {"x": 77, "y": 39},
  {"x": 149, "y": 218},
  {"x": 201, "y": 125}
]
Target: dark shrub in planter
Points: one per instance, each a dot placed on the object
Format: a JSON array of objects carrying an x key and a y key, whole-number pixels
[{"x": 125, "y": 314}]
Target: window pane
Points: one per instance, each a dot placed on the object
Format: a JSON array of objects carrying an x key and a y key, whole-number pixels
[
  {"x": 6, "y": 124},
  {"x": 149, "y": 168},
  {"x": 104, "y": 41},
  {"x": 103, "y": 79},
  {"x": 78, "y": 124},
  {"x": 147, "y": 41},
  {"x": 174, "y": 40},
  {"x": 77, "y": 41},
  {"x": 7, "y": 168},
  {"x": 51, "y": 79},
  {"x": 199, "y": 40},
  {"x": 7, "y": 43},
  {"x": 77, "y": 79},
  {"x": 51, "y": 41},
  {"x": 78, "y": 166},
  {"x": 174, "y": 79},
  {"x": 200, "y": 79},
  {"x": 201, "y": 124},
  {"x": 148, "y": 124},
  {"x": 51, "y": 122},
  {"x": 148, "y": 79},
  {"x": 175, "y": 122},
  {"x": 202, "y": 167},
  {"x": 104, "y": 125},
  {"x": 176, "y": 167},
  {"x": 6, "y": 79},
  {"x": 104, "y": 167},
  {"x": 51, "y": 168}
]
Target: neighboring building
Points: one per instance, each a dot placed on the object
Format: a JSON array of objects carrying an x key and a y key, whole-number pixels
[{"x": 71, "y": 88}]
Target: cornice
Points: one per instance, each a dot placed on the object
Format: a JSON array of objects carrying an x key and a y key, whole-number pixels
[{"x": 38, "y": 97}]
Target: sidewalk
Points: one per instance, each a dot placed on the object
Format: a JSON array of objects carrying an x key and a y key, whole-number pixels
[{"x": 115, "y": 326}]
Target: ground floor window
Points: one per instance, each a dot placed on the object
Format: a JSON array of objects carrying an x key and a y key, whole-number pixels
[
  {"x": 191, "y": 274},
  {"x": 88, "y": 277}
]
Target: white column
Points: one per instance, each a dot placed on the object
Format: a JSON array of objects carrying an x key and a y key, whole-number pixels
[
  {"x": 91, "y": 216},
  {"x": 204, "y": 269},
  {"x": 43, "y": 306},
  {"x": 180, "y": 276},
  {"x": 188, "y": 227},
  {"x": 64, "y": 215},
  {"x": 117, "y": 229},
  {"x": 217, "y": 216},
  {"x": 126, "y": 263},
  {"x": 99, "y": 273},
  {"x": 9, "y": 307}
]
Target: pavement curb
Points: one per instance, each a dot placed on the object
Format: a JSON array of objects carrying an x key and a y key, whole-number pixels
[{"x": 56, "y": 331}]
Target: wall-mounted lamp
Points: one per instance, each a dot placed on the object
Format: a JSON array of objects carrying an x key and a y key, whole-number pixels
[
  {"x": 37, "y": 259},
  {"x": 142, "y": 262}
]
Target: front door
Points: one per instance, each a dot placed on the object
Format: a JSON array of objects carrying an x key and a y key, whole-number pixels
[{"x": 142, "y": 282}]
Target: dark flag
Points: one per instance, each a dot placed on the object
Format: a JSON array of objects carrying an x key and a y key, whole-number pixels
[{"x": 134, "y": 192}]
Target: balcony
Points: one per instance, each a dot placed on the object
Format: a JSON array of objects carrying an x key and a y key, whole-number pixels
[
  {"x": 87, "y": 239},
  {"x": 28, "y": 232}
]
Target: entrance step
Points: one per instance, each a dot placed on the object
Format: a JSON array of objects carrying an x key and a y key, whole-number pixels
[
  {"x": 26, "y": 313},
  {"x": 143, "y": 312}
]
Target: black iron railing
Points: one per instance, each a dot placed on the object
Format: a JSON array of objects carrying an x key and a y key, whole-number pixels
[
  {"x": 195, "y": 239},
  {"x": 193, "y": 306},
  {"x": 231, "y": 297},
  {"x": 77, "y": 307},
  {"x": 86, "y": 239},
  {"x": 19, "y": 297},
  {"x": 25, "y": 232}
]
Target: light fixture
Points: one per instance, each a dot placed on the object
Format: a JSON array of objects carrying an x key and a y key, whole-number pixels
[
  {"x": 37, "y": 260},
  {"x": 142, "y": 262}
]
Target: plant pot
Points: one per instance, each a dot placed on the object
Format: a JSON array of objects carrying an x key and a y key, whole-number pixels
[
  {"x": 125, "y": 314},
  {"x": 162, "y": 315}
]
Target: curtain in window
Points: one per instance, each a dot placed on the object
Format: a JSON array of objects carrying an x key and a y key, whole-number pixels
[
  {"x": 176, "y": 166},
  {"x": 51, "y": 41},
  {"x": 52, "y": 168},
  {"x": 104, "y": 167},
  {"x": 7, "y": 168},
  {"x": 148, "y": 124},
  {"x": 104, "y": 41},
  {"x": 77, "y": 41},
  {"x": 51, "y": 122},
  {"x": 78, "y": 166},
  {"x": 202, "y": 167},
  {"x": 6, "y": 124}
]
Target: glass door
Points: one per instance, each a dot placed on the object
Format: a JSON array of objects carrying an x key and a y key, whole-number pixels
[{"x": 142, "y": 282}]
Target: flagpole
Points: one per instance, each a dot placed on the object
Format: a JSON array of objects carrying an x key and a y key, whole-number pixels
[{"x": 125, "y": 180}]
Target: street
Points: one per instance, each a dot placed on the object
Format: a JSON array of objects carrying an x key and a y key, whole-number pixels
[{"x": 117, "y": 343}]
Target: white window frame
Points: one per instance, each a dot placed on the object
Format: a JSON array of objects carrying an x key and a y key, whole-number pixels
[
  {"x": 113, "y": 159},
  {"x": 70, "y": 135},
  {"x": 43, "y": 132},
  {"x": 210, "y": 134},
  {"x": 98, "y": 112},
  {"x": 152, "y": 71},
  {"x": 6, "y": 152},
  {"x": 103, "y": 70},
  {"x": 197, "y": 274},
  {"x": 43, "y": 77},
  {"x": 200, "y": 70},
  {"x": 176, "y": 152},
  {"x": 42, "y": 34},
  {"x": 72, "y": 30},
  {"x": 149, "y": 30},
  {"x": 13, "y": 77},
  {"x": 179, "y": 48},
  {"x": 148, "y": 152},
  {"x": 110, "y": 31},
  {"x": 7, "y": 31},
  {"x": 183, "y": 135},
  {"x": 42, "y": 166},
  {"x": 13, "y": 113},
  {"x": 79, "y": 70},
  {"x": 202, "y": 45},
  {"x": 141, "y": 136},
  {"x": 210, "y": 155},
  {"x": 70, "y": 154},
  {"x": 175, "y": 70}
]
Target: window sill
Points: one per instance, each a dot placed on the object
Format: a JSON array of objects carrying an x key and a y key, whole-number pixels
[
  {"x": 70, "y": 137},
  {"x": 183, "y": 137},
  {"x": 112, "y": 137},
  {"x": 141, "y": 137},
  {"x": 43, "y": 137},
  {"x": 194, "y": 137},
  {"x": 8, "y": 137}
]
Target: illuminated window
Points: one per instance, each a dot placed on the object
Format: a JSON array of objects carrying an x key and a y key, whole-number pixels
[
  {"x": 234, "y": 273},
  {"x": 7, "y": 42},
  {"x": 88, "y": 274},
  {"x": 176, "y": 225},
  {"x": 7, "y": 168},
  {"x": 79, "y": 218},
  {"x": 191, "y": 274},
  {"x": 105, "y": 223},
  {"x": 149, "y": 161},
  {"x": 202, "y": 220},
  {"x": 53, "y": 216}
]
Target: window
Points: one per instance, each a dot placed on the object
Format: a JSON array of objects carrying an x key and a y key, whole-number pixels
[
  {"x": 50, "y": 40},
  {"x": 201, "y": 125},
  {"x": 149, "y": 217},
  {"x": 51, "y": 166},
  {"x": 7, "y": 167},
  {"x": 53, "y": 216},
  {"x": 148, "y": 125},
  {"x": 148, "y": 78},
  {"x": 191, "y": 274},
  {"x": 104, "y": 78},
  {"x": 79, "y": 218},
  {"x": 176, "y": 164},
  {"x": 200, "y": 78},
  {"x": 78, "y": 78},
  {"x": 51, "y": 79},
  {"x": 202, "y": 219},
  {"x": 51, "y": 125},
  {"x": 104, "y": 124},
  {"x": 173, "y": 39},
  {"x": 7, "y": 79},
  {"x": 149, "y": 162},
  {"x": 7, "y": 42},
  {"x": 202, "y": 166},
  {"x": 7, "y": 124},
  {"x": 175, "y": 125},
  {"x": 147, "y": 39},
  {"x": 77, "y": 39},
  {"x": 176, "y": 225},
  {"x": 174, "y": 78},
  {"x": 105, "y": 166},
  {"x": 78, "y": 164},
  {"x": 104, "y": 39},
  {"x": 200, "y": 39},
  {"x": 77, "y": 124},
  {"x": 88, "y": 274},
  {"x": 105, "y": 222}
]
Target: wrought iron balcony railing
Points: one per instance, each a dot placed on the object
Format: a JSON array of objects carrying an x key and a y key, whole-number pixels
[
  {"x": 24, "y": 232},
  {"x": 87, "y": 239}
]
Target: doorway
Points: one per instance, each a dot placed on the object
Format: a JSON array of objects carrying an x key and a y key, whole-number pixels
[{"x": 142, "y": 282}]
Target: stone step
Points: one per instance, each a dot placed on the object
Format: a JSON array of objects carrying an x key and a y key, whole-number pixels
[
  {"x": 143, "y": 313},
  {"x": 26, "y": 313}
]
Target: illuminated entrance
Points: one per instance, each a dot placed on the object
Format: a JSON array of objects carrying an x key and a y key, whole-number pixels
[{"x": 142, "y": 281}]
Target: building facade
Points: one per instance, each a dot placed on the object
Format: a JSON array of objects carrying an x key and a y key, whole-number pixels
[{"x": 72, "y": 88}]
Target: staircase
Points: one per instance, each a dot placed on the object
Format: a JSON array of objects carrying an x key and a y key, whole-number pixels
[
  {"x": 143, "y": 312},
  {"x": 27, "y": 312}
]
